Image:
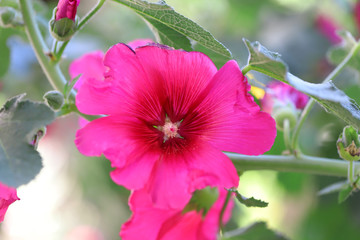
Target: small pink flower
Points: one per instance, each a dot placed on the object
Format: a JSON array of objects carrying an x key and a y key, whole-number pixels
[
  {"x": 328, "y": 28},
  {"x": 169, "y": 113},
  {"x": 153, "y": 223},
  {"x": 281, "y": 94},
  {"x": 66, "y": 9},
  {"x": 7, "y": 196},
  {"x": 357, "y": 15}
]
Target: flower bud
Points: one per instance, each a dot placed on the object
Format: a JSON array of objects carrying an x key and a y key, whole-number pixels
[
  {"x": 54, "y": 99},
  {"x": 348, "y": 144},
  {"x": 9, "y": 17},
  {"x": 281, "y": 113},
  {"x": 64, "y": 24}
]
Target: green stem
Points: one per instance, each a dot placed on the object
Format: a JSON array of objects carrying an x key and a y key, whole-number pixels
[
  {"x": 355, "y": 49},
  {"x": 81, "y": 24},
  {"x": 351, "y": 172},
  {"x": 301, "y": 163},
  {"x": 246, "y": 69},
  {"x": 51, "y": 70},
  {"x": 223, "y": 209},
  {"x": 287, "y": 134}
]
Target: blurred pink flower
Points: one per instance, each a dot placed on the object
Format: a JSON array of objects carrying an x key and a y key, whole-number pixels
[
  {"x": 328, "y": 28},
  {"x": 66, "y": 9},
  {"x": 357, "y": 15},
  {"x": 153, "y": 223},
  {"x": 84, "y": 233},
  {"x": 281, "y": 94},
  {"x": 169, "y": 115},
  {"x": 7, "y": 196}
]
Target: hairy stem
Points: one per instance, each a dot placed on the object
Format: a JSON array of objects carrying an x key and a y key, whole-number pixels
[
  {"x": 301, "y": 163},
  {"x": 42, "y": 52}
]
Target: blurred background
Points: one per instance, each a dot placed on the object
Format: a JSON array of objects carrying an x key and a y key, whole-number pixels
[{"x": 73, "y": 197}]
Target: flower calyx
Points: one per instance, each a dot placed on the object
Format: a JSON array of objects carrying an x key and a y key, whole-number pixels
[{"x": 348, "y": 144}]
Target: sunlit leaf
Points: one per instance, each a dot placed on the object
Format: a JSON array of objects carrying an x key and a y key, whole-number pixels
[
  {"x": 174, "y": 29},
  {"x": 249, "y": 202},
  {"x": 326, "y": 94},
  {"x": 256, "y": 231},
  {"x": 20, "y": 121}
]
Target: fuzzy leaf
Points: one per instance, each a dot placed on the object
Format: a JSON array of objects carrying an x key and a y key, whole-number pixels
[
  {"x": 174, "y": 29},
  {"x": 256, "y": 231},
  {"x": 249, "y": 202},
  {"x": 326, "y": 94},
  {"x": 19, "y": 122}
]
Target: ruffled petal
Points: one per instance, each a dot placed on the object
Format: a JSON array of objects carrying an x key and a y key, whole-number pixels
[
  {"x": 210, "y": 167},
  {"x": 234, "y": 122},
  {"x": 139, "y": 43},
  {"x": 168, "y": 185},
  {"x": 89, "y": 66},
  {"x": 139, "y": 227},
  {"x": 7, "y": 196}
]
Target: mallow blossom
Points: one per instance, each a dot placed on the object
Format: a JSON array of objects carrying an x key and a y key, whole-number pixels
[
  {"x": 154, "y": 223},
  {"x": 168, "y": 115},
  {"x": 7, "y": 196},
  {"x": 279, "y": 94},
  {"x": 66, "y": 9}
]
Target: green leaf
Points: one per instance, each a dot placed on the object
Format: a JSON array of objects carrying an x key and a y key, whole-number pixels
[
  {"x": 173, "y": 28},
  {"x": 256, "y": 231},
  {"x": 20, "y": 120},
  {"x": 337, "y": 53},
  {"x": 249, "y": 202},
  {"x": 326, "y": 94},
  {"x": 345, "y": 193}
]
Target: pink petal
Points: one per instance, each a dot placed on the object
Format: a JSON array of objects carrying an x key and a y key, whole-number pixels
[
  {"x": 236, "y": 123},
  {"x": 177, "y": 77},
  {"x": 168, "y": 184},
  {"x": 182, "y": 226},
  {"x": 7, "y": 196},
  {"x": 146, "y": 221},
  {"x": 139, "y": 43},
  {"x": 210, "y": 167},
  {"x": 135, "y": 173},
  {"x": 89, "y": 66}
]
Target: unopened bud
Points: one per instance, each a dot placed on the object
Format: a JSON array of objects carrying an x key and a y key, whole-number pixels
[
  {"x": 64, "y": 22},
  {"x": 348, "y": 144},
  {"x": 54, "y": 99},
  {"x": 282, "y": 113},
  {"x": 9, "y": 17}
]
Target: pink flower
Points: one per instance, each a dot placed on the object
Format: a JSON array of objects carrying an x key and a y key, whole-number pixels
[
  {"x": 7, "y": 197},
  {"x": 66, "y": 9},
  {"x": 91, "y": 65},
  {"x": 153, "y": 223},
  {"x": 357, "y": 15},
  {"x": 169, "y": 115},
  {"x": 328, "y": 28},
  {"x": 281, "y": 94}
]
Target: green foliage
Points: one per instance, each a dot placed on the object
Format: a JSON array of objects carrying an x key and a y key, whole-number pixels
[
  {"x": 249, "y": 202},
  {"x": 173, "y": 29},
  {"x": 20, "y": 120},
  {"x": 202, "y": 200},
  {"x": 256, "y": 231},
  {"x": 326, "y": 94},
  {"x": 54, "y": 99},
  {"x": 5, "y": 52},
  {"x": 345, "y": 193}
]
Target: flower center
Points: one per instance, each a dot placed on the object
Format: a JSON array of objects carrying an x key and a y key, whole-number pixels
[{"x": 169, "y": 129}]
